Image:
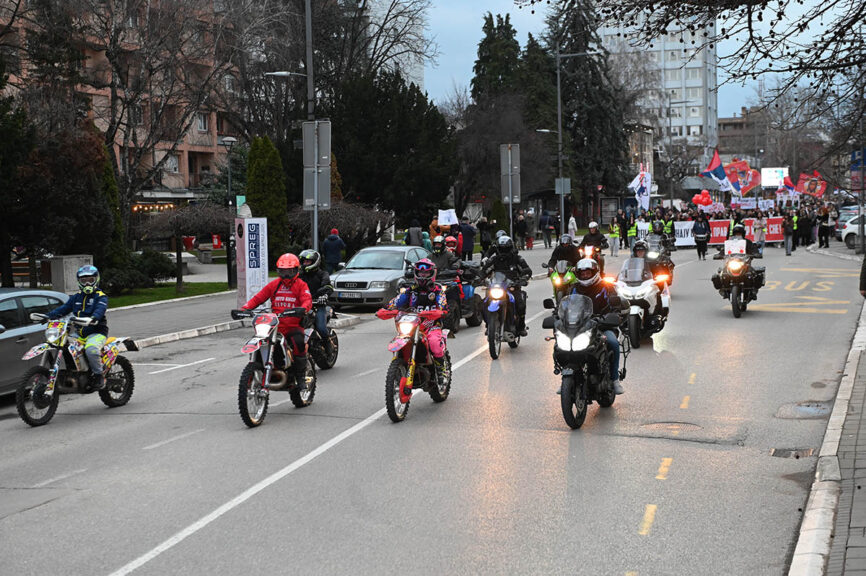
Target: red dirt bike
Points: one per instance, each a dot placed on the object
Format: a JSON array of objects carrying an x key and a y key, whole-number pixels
[
  {"x": 270, "y": 366},
  {"x": 412, "y": 366}
]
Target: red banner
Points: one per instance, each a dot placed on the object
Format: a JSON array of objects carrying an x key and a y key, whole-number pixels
[
  {"x": 719, "y": 230},
  {"x": 811, "y": 184}
]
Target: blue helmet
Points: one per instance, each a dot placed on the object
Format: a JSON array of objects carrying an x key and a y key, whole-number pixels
[{"x": 88, "y": 279}]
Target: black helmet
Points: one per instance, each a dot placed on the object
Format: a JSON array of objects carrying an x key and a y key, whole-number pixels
[
  {"x": 504, "y": 245},
  {"x": 310, "y": 260},
  {"x": 566, "y": 240},
  {"x": 738, "y": 229},
  {"x": 438, "y": 244},
  {"x": 658, "y": 226},
  {"x": 639, "y": 245}
]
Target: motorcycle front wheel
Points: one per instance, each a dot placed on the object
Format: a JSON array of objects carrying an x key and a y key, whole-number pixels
[
  {"x": 634, "y": 330},
  {"x": 119, "y": 384},
  {"x": 574, "y": 403},
  {"x": 494, "y": 338},
  {"x": 252, "y": 397},
  {"x": 439, "y": 392},
  {"x": 735, "y": 300},
  {"x": 34, "y": 406},
  {"x": 396, "y": 409},
  {"x": 301, "y": 399}
]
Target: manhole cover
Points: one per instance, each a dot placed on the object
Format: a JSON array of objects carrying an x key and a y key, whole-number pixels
[
  {"x": 809, "y": 409},
  {"x": 671, "y": 426},
  {"x": 795, "y": 453}
]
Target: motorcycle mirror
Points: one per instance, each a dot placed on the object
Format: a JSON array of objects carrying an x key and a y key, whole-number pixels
[
  {"x": 548, "y": 304},
  {"x": 2, "y": 328},
  {"x": 548, "y": 323}
]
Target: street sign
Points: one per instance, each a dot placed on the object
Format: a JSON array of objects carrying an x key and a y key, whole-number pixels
[
  {"x": 317, "y": 164},
  {"x": 563, "y": 186},
  {"x": 509, "y": 164}
]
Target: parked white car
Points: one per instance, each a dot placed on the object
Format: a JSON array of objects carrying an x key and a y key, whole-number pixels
[{"x": 850, "y": 231}]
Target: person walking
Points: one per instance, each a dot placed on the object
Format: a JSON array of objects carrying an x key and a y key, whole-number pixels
[
  {"x": 520, "y": 232},
  {"x": 425, "y": 241},
  {"x": 332, "y": 250},
  {"x": 824, "y": 228},
  {"x": 622, "y": 222},
  {"x": 614, "y": 233},
  {"x": 413, "y": 235},
  {"x": 759, "y": 231},
  {"x": 631, "y": 231},
  {"x": 484, "y": 234},
  {"x": 788, "y": 232},
  {"x": 572, "y": 226},
  {"x": 701, "y": 232},
  {"x": 546, "y": 225},
  {"x": 469, "y": 232}
]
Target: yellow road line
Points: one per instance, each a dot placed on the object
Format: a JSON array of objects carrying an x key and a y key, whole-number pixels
[
  {"x": 664, "y": 468},
  {"x": 685, "y": 404},
  {"x": 632, "y": 573},
  {"x": 770, "y": 308},
  {"x": 648, "y": 516},
  {"x": 692, "y": 378}
]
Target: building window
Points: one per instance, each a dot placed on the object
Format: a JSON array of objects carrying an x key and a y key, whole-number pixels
[
  {"x": 695, "y": 130},
  {"x": 676, "y": 113},
  {"x": 673, "y": 75},
  {"x": 673, "y": 56},
  {"x": 171, "y": 164},
  {"x": 201, "y": 121},
  {"x": 229, "y": 83},
  {"x": 694, "y": 112},
  {"x": 694, "y": 74},
  {"x": 676, "y": 130},
  {"x": 675, "y": 93},
  {"x": 694, "y": 93}
]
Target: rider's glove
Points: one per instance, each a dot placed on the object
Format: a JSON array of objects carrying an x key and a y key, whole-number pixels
[{"x": 322, "y": 300}]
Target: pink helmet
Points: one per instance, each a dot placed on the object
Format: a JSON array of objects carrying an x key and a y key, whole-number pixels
[{"x": 425, "y": 273}]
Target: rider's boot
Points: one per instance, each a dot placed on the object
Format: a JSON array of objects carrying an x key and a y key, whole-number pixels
[
  {"x": 439, "y": 365},
  {"x": 617, "y": 387},
  {"x": 97, "y": 380},
  {"x": 300, "y": 370}
]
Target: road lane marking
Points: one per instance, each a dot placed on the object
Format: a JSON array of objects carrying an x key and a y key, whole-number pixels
[
  {"x": 692, "y": 377},
  {"x": 147, "y": 364},
  {"x": 170, "y": 440},
  {"x": 664, "y": 468},
  {"x": 794, "y": 307},
  {"x": 367, "y": 373},
  {"x": 272, "y": 479},
  {"x": 685, "y": 403},
  {"x": 58, "y": 478},
  {"x": 632, "y": 573},
  {"x": 182, "y": 366},
  {"x": 648, "y": 517}
]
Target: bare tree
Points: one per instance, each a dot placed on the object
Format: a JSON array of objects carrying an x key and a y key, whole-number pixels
[{"x": 359, "y": 225}]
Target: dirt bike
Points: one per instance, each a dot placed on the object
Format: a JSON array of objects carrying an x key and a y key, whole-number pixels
[
  {"x": 64, "y": 369},
  {"x": 269, "y": 367},
  {"x": 413, "y": 366}
]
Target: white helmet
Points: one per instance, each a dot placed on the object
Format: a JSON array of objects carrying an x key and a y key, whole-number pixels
[
  {"x": 587, "y": 272},
  {"x": 593, "y": 225}
]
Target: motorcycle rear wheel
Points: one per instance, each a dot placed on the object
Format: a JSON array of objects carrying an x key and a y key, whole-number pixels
[
  {"x": 574, "y": 405},
  {"x": 439, "y": 392},
  {"x": 634, "y": 330},
  {"x": 119, "y": 384},
  {"x": 494, "y": 338},
  {"x": 735, "y": 300},
  {"x": 40, "y": 410},
  {"x": 325, "y": 361},
  {"x": 396, "y": 409},
  {"x": 252, "y": 402},
  {"x": 301, "y": 399}
]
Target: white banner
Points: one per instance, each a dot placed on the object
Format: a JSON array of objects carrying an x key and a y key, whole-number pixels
[
  {"x": 683, "y": 231},
  {"x": 252, "y": 256},
  {"x": 765, "y": 205},
  {"x": 642, "y": 230},
  {"x": 747, "y": 203},
  {"x": 448, "y": 217}
]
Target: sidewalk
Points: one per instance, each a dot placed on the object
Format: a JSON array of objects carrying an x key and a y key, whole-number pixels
[{"x": 837, "y": 250}]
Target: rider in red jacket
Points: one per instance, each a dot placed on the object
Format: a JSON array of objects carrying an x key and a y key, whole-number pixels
[{"x": 288, "y": 291}]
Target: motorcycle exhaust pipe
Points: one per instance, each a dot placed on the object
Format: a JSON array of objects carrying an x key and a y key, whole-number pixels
[{"x": 279, "y": 380}]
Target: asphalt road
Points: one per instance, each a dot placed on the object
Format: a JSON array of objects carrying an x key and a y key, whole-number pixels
[{"x": 678, "y": 477}]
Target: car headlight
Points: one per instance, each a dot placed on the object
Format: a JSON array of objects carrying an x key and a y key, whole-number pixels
[
  {"x": 496, "y": 292},
  {"x": 581, "y": 341},
  {"x": 52, "y": 334},
  {"x": 406, "y": 328},
  {"x": 378, "y": 285},
  {"x": 563, "y": 342}
]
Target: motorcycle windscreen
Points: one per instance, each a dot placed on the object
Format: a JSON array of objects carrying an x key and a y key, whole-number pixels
[
  {"x": 499, "y": 278},
  {"x": 575, "y": 310},
  {"x": 654, "y": 243},
  {"x": 561, "y": 267},
  {"x": 634, "y": 271}
]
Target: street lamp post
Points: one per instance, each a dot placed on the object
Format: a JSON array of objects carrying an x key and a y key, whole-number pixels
[{"x": 229, "y": 142}]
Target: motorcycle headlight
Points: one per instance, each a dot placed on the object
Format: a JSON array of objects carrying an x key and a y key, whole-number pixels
[
  {"x": 735, "y": 265},
  {"x": 406, "y": 328},
  {"x": 652, "y": 255},
  {"x": 497, "y": 292},
  {"x": 581, "y": 341},
  {"x": 557, "y": 280},
  {"x": 563, "y": 342},
  {"x": 378, "y": 285},
  {"x": 52, "y": 334}
]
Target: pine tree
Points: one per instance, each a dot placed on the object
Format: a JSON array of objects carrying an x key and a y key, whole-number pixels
[
  {"x": 537, "y": 81},
  {"x": 496, "y": 68},
  {"x": 266, "y": 194}
]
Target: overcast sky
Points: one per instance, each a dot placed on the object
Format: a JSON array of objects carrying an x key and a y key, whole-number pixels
[{"x": 456, "y": 26}]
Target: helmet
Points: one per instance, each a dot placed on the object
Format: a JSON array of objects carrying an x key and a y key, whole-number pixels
[
  {"x": 425, "y": 272},
  {"x": 565, "y": 240},
  {"x": 88, "y": 279},
  {"x": 639, "y": 245},
  {"x": 504, "y": 245},
  {"x": 288, "y": 266},
  {"x": 587, "y": 272},
  {"x": 593, "y": 225},
  {"x": 438, "y": 244},
  {"x": 310, "y": 260},
  {"x": 738, "y": 229},
  {"x": 451, "y": 243},
  {"x": 500, "y": 233},
  {"x": 658, "y": 226}
]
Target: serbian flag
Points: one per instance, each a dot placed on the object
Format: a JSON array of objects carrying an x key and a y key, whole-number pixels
[
  {"x": 717, "y": 172},
  {"x": 642, "y": 185},
  {"x": 789, "y": 185}
]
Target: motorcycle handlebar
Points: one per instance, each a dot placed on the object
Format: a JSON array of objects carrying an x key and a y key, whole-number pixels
[
  {"x": 384, "y": 314},
  {"x": 292, "y": 312}
]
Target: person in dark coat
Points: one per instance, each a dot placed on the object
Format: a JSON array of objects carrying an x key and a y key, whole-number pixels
[
  {"x": 468, "y": 239},
  {"x": 332, "y": 250},
  {"x": 484, "y": 234}
]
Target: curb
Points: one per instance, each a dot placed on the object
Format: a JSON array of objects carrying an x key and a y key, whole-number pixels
[
  {"x": 833, "y": 254},
  {"x": 816, "y": 531},
  {"x": 224, "y": 327},
  {"x": 182, "y": 299}
]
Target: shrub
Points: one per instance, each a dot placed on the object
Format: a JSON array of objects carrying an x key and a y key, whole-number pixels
[
  {"x": 143, "y": 271},
  {"x": 155, "y": 265}
]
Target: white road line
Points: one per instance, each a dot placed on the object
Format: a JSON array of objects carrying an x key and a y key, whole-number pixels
[
  {"x": 368, "y": 372},
  {"x": 273, "y": 478},
  {"x": 58, "y": 478},
  {"x": 280, "y": 403},
  {"x": 146, "y": 364},
  {"x": 182, "y": 366},
  {"x": 164, "y": 442}
]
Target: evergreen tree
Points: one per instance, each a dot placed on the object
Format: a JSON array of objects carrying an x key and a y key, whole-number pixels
[
  {"x": 596, "y": 144},
  {"x": 496, "y": 68},
  {"x": 537, "y": 81},
  {"x": 266, "y": 193}
]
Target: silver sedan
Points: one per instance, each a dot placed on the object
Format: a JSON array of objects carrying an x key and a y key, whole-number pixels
[{"x": 372, "y": 276}]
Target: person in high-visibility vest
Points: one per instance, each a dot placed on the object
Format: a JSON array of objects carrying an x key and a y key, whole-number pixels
[
  {"x": 631, "y": 232},
  {"x": 796, "y": 234},
  {"x": 614, "y": 236},
  {"x": 669, "y": 226}
]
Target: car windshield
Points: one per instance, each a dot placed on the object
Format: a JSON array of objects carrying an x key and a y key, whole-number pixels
[
  {"x": 575, "y": 310},
  {"x": 634, "y": 271},
  {"x": 376, "y": 260}
]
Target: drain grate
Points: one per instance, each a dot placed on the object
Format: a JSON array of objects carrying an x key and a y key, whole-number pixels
[
  {"x": 795, "y": 453},
  {"x": 671, "y": 426}
]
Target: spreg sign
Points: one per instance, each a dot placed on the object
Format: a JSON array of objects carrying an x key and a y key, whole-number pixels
[{"x": 252, "y": 256}]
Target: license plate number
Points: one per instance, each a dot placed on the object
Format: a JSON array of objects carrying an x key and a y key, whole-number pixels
[{"x": 350, "y": 295}]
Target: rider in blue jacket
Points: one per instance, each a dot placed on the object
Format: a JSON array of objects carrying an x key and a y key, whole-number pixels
[{"x": 89, "y": 302}]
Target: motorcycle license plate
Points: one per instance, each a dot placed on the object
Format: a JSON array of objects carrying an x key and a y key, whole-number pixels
[{"x": 350, "y": 295}]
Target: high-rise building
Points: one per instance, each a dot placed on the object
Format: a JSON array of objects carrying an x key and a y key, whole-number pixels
[{"x": 685, "y": 105}]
